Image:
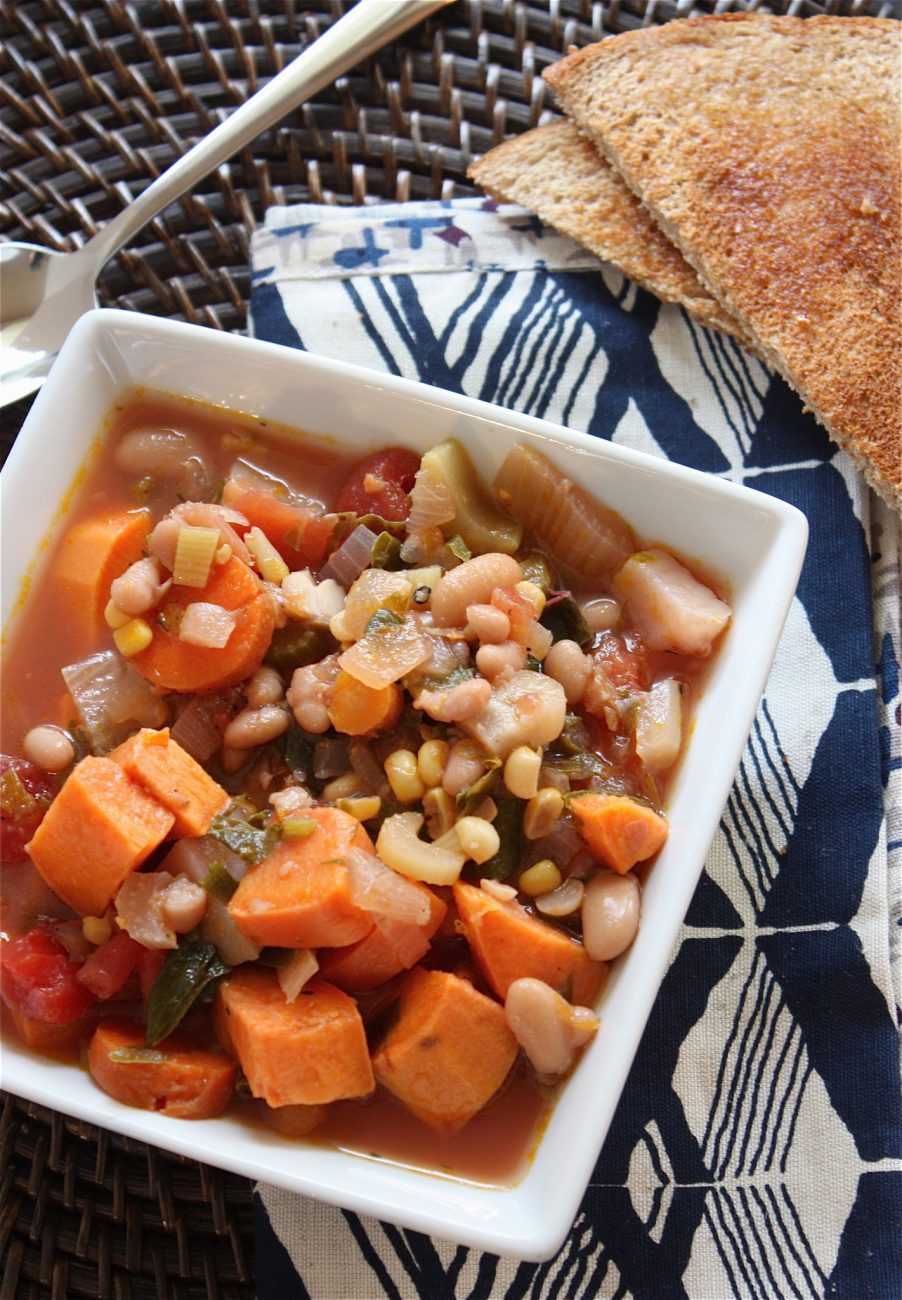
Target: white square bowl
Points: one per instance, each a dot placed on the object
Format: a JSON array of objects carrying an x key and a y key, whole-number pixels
[{"x": 754, "y": 543}]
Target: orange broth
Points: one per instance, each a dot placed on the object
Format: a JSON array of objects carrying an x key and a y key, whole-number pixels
[{"x": 494, "y": 1147}]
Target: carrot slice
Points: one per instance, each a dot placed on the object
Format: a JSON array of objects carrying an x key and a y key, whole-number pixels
[
  {"x": 358, "y": 710},
  {"x": 509, "y": 944},
  {"x": 390, "y": 947},
  {"x": 155, "y": 761},
  {"x": 99, "y": 827},
  {"x": 300, "y": 894},
  {"x": 91, "y": 555},
  {"x": 174, "y": 1077},
  {"x": 177, "y": 665},
  {"x": 619, "y": 830},
  {"x": 302, "y": 1053},
  {"x": 448, "y": 1052}
]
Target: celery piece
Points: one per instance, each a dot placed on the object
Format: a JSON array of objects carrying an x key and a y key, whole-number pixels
[
  {"x": 537, "y": 568},
  {"x": 194, "y": 553},
  {"x": 477, "y": 518},
  {"x": 458, "y": 548},
  {"x": 185, "y": 975}
]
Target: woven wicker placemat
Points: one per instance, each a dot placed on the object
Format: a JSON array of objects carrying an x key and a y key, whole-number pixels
[{"x": 95, "y": 100}]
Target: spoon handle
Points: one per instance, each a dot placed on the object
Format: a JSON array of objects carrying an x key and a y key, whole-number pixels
[{"x": 357, "y": 34}]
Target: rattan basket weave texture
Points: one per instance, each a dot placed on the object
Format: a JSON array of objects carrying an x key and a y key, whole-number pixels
[{"x": 95, "y": 100}]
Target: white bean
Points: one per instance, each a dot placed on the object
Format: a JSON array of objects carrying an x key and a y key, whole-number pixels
[
  {"x": 264, "y": 687},
  {"x": 465, "y": 700},
  {"x": 488, "y": 624},
  {"x": 602, "y": 615},
  {"x": 253, "y": 727},
  {"x": 500, "y": 661},
  {"x": 310, "y": 694},
  {"x": 140, "y": 587},
  {"x": 49, "y": 747},
  {"x": 567, "y": 664},
  {"x": 610, "y": 914},
  {"x": 466, "y": 763},
  {"x": 546, "y": 1026},
  {"x": 183, "y": 905},
  {"x": 471, "y": 583}
]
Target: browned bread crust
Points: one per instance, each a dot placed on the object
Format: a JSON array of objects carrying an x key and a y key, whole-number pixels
[
  {"x": 768, "y": 150},
  {"x": 558, "y": 174}
]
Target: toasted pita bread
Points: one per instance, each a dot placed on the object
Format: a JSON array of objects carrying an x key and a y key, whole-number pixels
[
  {"x": 558, "y": 174},
  {"x": 768, "y": 150}
]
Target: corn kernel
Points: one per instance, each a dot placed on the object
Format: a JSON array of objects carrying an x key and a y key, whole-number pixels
[
  {"x": 478, "y": 838},
  {"x": 361, "y": 807},
  {"x": 298, "y": 828},
  {"x": 270, "y": 563},
  {"x": 114, "y": 617},
  {"x": 534, "y": 594},
  {"x": 432, "y": 757},
  {"x": 133, "y": 637},
  {"x": 540, "y": 878},
  {"x": 344, "y": 787},
  {"x": 542, "y": 811},
  {"x": 440, "y": 810},
  {"x": 403, "y": 777},
  {"x": 96, "y": 929},
  {"x": 521, "y": 771}
]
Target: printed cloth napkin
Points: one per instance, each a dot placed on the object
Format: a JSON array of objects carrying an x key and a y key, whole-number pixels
[{"x": 757, "y": 1149}]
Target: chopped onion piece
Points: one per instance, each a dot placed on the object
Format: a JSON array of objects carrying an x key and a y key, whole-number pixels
[
  {"x": 378, "y": 889},
  {"x": 207, "y": 625},
  {"x": 351, "y": 558},
  {"x": 198, "y": 728},
  {"x": 139, "y": 908},
  {"x": 387, "y": 655},
  {"x": 112, "y": 699},
  {"x": 299, "y": 968},
  {"x": 431, "y": 502}
]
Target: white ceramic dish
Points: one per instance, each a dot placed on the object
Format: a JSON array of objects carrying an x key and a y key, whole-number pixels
[{"x": 755, "y": 543}]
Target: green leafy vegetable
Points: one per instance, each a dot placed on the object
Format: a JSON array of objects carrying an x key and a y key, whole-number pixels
[
  {"x": 297, "y": 644},
  {"x": 15, "y": 798},
  {"x": 458, "y": 547},
  {"x": 386, "y": 552},
  {"x": 296, "y": 750},
  {"x": 382, "y": 618},
  {"x": 136, "y": 1056},
  {"x": 536, "y": 568},
  {"x": 219, "y": 882},
  {"x": 251, "y": 843},
  {"x": 188, "y": 972},
  {"x": 509, "y": 825},
  {"x": 470, "y": 798},
  {"x": 564, "y": 620}
]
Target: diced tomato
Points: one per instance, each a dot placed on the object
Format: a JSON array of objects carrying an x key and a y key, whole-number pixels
[
  {"x": 380, "y": 484},
  {"x": 110, "y": 965},
  {"x": 519, "y": 610},
  {"x": 26, "y": 793},
  {"x": 40, "y": 981},
  {"x": 150, "y": 963},
  {"x": 298, "y": 534},
  {"x": 623, "y": 662}
]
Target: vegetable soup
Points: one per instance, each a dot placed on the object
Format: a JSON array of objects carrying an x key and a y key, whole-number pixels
[{"x": 330, "y": 782}]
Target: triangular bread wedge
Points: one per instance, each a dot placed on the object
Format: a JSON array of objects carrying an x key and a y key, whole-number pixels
[
  {"x": 768, "y": 150},
  {"x": 558, "y": 174}
]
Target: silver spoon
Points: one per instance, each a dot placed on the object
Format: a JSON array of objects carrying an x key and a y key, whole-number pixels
[{"x": 43, "y": 293}]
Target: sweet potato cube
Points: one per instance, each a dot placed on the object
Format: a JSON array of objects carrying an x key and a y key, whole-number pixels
[
  {"x": 300, "y": 894},
  {"x": 390, "y": 947},
  {"x": 509, "y": 944},
  {"x": 153, "y": 760},
  {"x": 302, "y": 1053},
  {"x": 449, "y": 1051},
  {"x": 99, "y": 827}
]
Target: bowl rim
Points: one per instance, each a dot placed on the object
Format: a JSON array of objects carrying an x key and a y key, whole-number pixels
[{"x": 522, "y": 1220}]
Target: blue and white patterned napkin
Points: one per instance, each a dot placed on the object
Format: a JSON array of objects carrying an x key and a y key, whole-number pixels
[{"x": 757, "y": 1150}]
